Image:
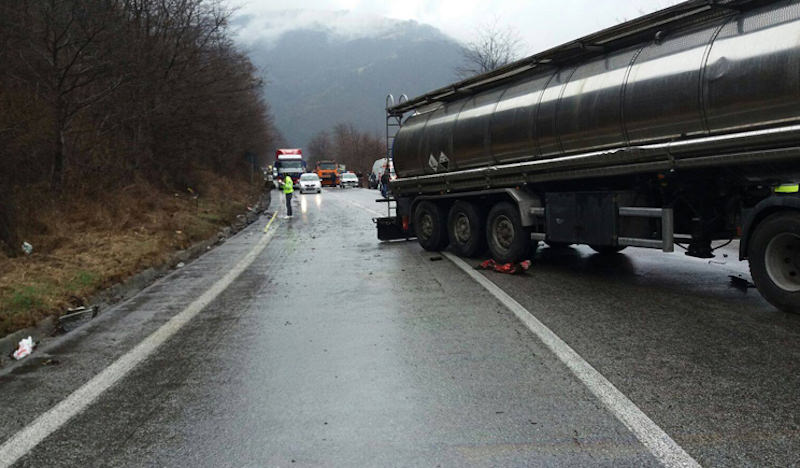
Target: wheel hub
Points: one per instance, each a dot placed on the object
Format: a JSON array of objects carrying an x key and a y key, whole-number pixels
[
  {"x": 461, "y": 229},
  {"x": 503, "y": 232},
  {"x": 783, "y": 261},
  {"x": 426, "y": 226}
]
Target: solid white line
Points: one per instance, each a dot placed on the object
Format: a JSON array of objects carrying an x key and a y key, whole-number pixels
[
  {"x": 47, "y": 423},
  {"x": 666, "y": 450},
  {"x": 663, "y": 448}
]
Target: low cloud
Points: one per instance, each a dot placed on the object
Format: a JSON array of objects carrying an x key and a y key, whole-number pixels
[{"x": 267, "y": 27}]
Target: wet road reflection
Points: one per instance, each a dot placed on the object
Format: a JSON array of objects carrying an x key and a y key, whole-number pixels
[{"x": 334, "y": 349}]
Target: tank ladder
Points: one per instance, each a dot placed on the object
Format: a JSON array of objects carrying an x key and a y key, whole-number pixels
[{"x": 394, "y": 120}]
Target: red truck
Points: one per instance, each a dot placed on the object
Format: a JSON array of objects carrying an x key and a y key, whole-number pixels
[{"x": 289, "y": 161}]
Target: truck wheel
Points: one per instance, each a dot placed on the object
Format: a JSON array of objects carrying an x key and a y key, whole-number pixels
[
  {"x": 465, "y": 225},
  {"x": 774, "y": 255},
  {"x": 508, "y": 240},
  {"x": 430, "y": 225},
  {"x": 607, "y": 249}
]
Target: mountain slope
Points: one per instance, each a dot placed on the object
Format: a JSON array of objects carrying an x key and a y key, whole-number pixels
[{"x": 335, "y": 69}]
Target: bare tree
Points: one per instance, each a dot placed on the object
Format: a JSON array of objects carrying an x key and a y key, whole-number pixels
[
  {"x": 69, "y": 52},
  {"x": 354, "y": 148},
  {"x": 319, "y": 148},
  {"x": 99, "y": 93},
  {"x": 494, "y": 47}
]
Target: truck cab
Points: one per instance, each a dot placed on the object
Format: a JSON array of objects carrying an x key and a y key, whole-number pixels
[
  {"x": 328, "y": 172},
  {"x": 289, "y": 162}
]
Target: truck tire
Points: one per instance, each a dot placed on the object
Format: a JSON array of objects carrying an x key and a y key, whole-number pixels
[
  {"x": 607, "y": 249},
  {"x": 465, "y": 226},
  {"x": 508, "y": 240},
  {"x": 430, "y": 225},
  {"x": 774, "y": 256}
]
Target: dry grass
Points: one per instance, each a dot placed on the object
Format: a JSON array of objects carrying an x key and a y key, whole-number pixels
[{"x": 84, "y": 246}]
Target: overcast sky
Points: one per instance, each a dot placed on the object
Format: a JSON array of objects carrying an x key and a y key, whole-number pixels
[{"x": 540, "y": 23}]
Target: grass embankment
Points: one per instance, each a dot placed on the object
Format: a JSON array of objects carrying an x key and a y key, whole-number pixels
[{"x": 84, "y": 246}]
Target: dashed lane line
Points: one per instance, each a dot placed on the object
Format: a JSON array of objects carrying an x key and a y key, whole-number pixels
[
  {"x": 47, "y": 423},
  {"x": 358, "y": 205}
]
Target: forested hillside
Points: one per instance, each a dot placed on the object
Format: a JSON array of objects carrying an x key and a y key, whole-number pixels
[{"x": 128, "y": 128}]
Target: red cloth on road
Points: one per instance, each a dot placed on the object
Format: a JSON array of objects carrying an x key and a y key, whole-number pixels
[{"x": 508, "y": 268}]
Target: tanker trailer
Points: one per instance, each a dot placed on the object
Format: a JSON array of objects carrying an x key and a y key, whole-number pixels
[{"x": 681, "y": 127}]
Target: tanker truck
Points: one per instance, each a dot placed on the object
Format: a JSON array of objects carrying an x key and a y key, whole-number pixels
[{"x": 678, "y": 128}]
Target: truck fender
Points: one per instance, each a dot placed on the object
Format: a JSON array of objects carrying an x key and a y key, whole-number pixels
[
  {"x": 764, "y": 208},
  {"x": 525, "y": 201}
]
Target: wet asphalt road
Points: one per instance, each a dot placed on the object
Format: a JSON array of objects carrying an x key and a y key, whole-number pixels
[{"x": 333, "y": 349}]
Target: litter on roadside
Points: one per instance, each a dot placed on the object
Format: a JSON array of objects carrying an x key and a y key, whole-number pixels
[
  {"x": 79, "y": 311},
  {"x": 25, "y": 348},
  {"x": 508, "y": 268},
  {"x": 27, "y": 248}
]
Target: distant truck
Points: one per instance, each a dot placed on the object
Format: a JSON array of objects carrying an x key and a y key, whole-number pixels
[
  {"x": 289, "y": 162},
  {"x": 328, "y": 172},
  {"x": 378, "y": 168},
  {"x": 681, "y": 127}
]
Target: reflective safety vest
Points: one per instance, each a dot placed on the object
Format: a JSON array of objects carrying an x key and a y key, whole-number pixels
[
  {"x": 288, "y": 186},
  {"x": 787, "y": 188}
]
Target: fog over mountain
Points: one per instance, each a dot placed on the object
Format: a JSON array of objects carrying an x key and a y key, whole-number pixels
[{"x": 325, "y": 67}]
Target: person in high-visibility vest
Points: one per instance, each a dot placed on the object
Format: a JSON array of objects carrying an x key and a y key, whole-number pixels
[{"x": 288, "y": 188}]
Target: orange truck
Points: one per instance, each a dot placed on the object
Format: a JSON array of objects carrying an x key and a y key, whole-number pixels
[{"x": 328, "y": 172}]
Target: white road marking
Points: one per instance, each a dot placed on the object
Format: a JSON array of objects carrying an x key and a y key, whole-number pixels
[
  {"x": 358, "y": 205},
  {"x": 47, "y": 423},
  {"x": 660, "y": 445},
  {"x": 663, "y": 448},
  {"x": 376, "y": 213}
]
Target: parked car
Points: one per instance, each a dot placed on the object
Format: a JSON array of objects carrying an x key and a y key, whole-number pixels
[
  {"x": 348, "y": 179},
  {"x": 309, "y": 182}
]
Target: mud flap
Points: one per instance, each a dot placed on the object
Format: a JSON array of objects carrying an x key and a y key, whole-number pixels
[{"x": 391, "y": 228}]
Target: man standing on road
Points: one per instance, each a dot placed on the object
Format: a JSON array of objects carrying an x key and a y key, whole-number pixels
[
  {"x": 288, "y": 188},
  {"x": 385, "y": 183}
]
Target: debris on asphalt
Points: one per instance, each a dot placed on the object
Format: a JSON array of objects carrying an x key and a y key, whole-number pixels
[
  {"x": 51, "y": 362},
  {"x": 507, "y": 268},
  {"x": 79, "y": 311},
  {"x": 25, "y": 348},
  {"x": 435, "y": 259},
  {"x": 740, "y": 283},
  {"x": 180, "y": 265},
  {"x": 27, "y": 248}
]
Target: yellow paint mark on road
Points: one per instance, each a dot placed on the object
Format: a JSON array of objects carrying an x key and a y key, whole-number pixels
[{"x": 266, "y": 228}]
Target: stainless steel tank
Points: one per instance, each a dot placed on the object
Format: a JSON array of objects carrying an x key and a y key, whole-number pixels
[{"x": 726, "y": 75}]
